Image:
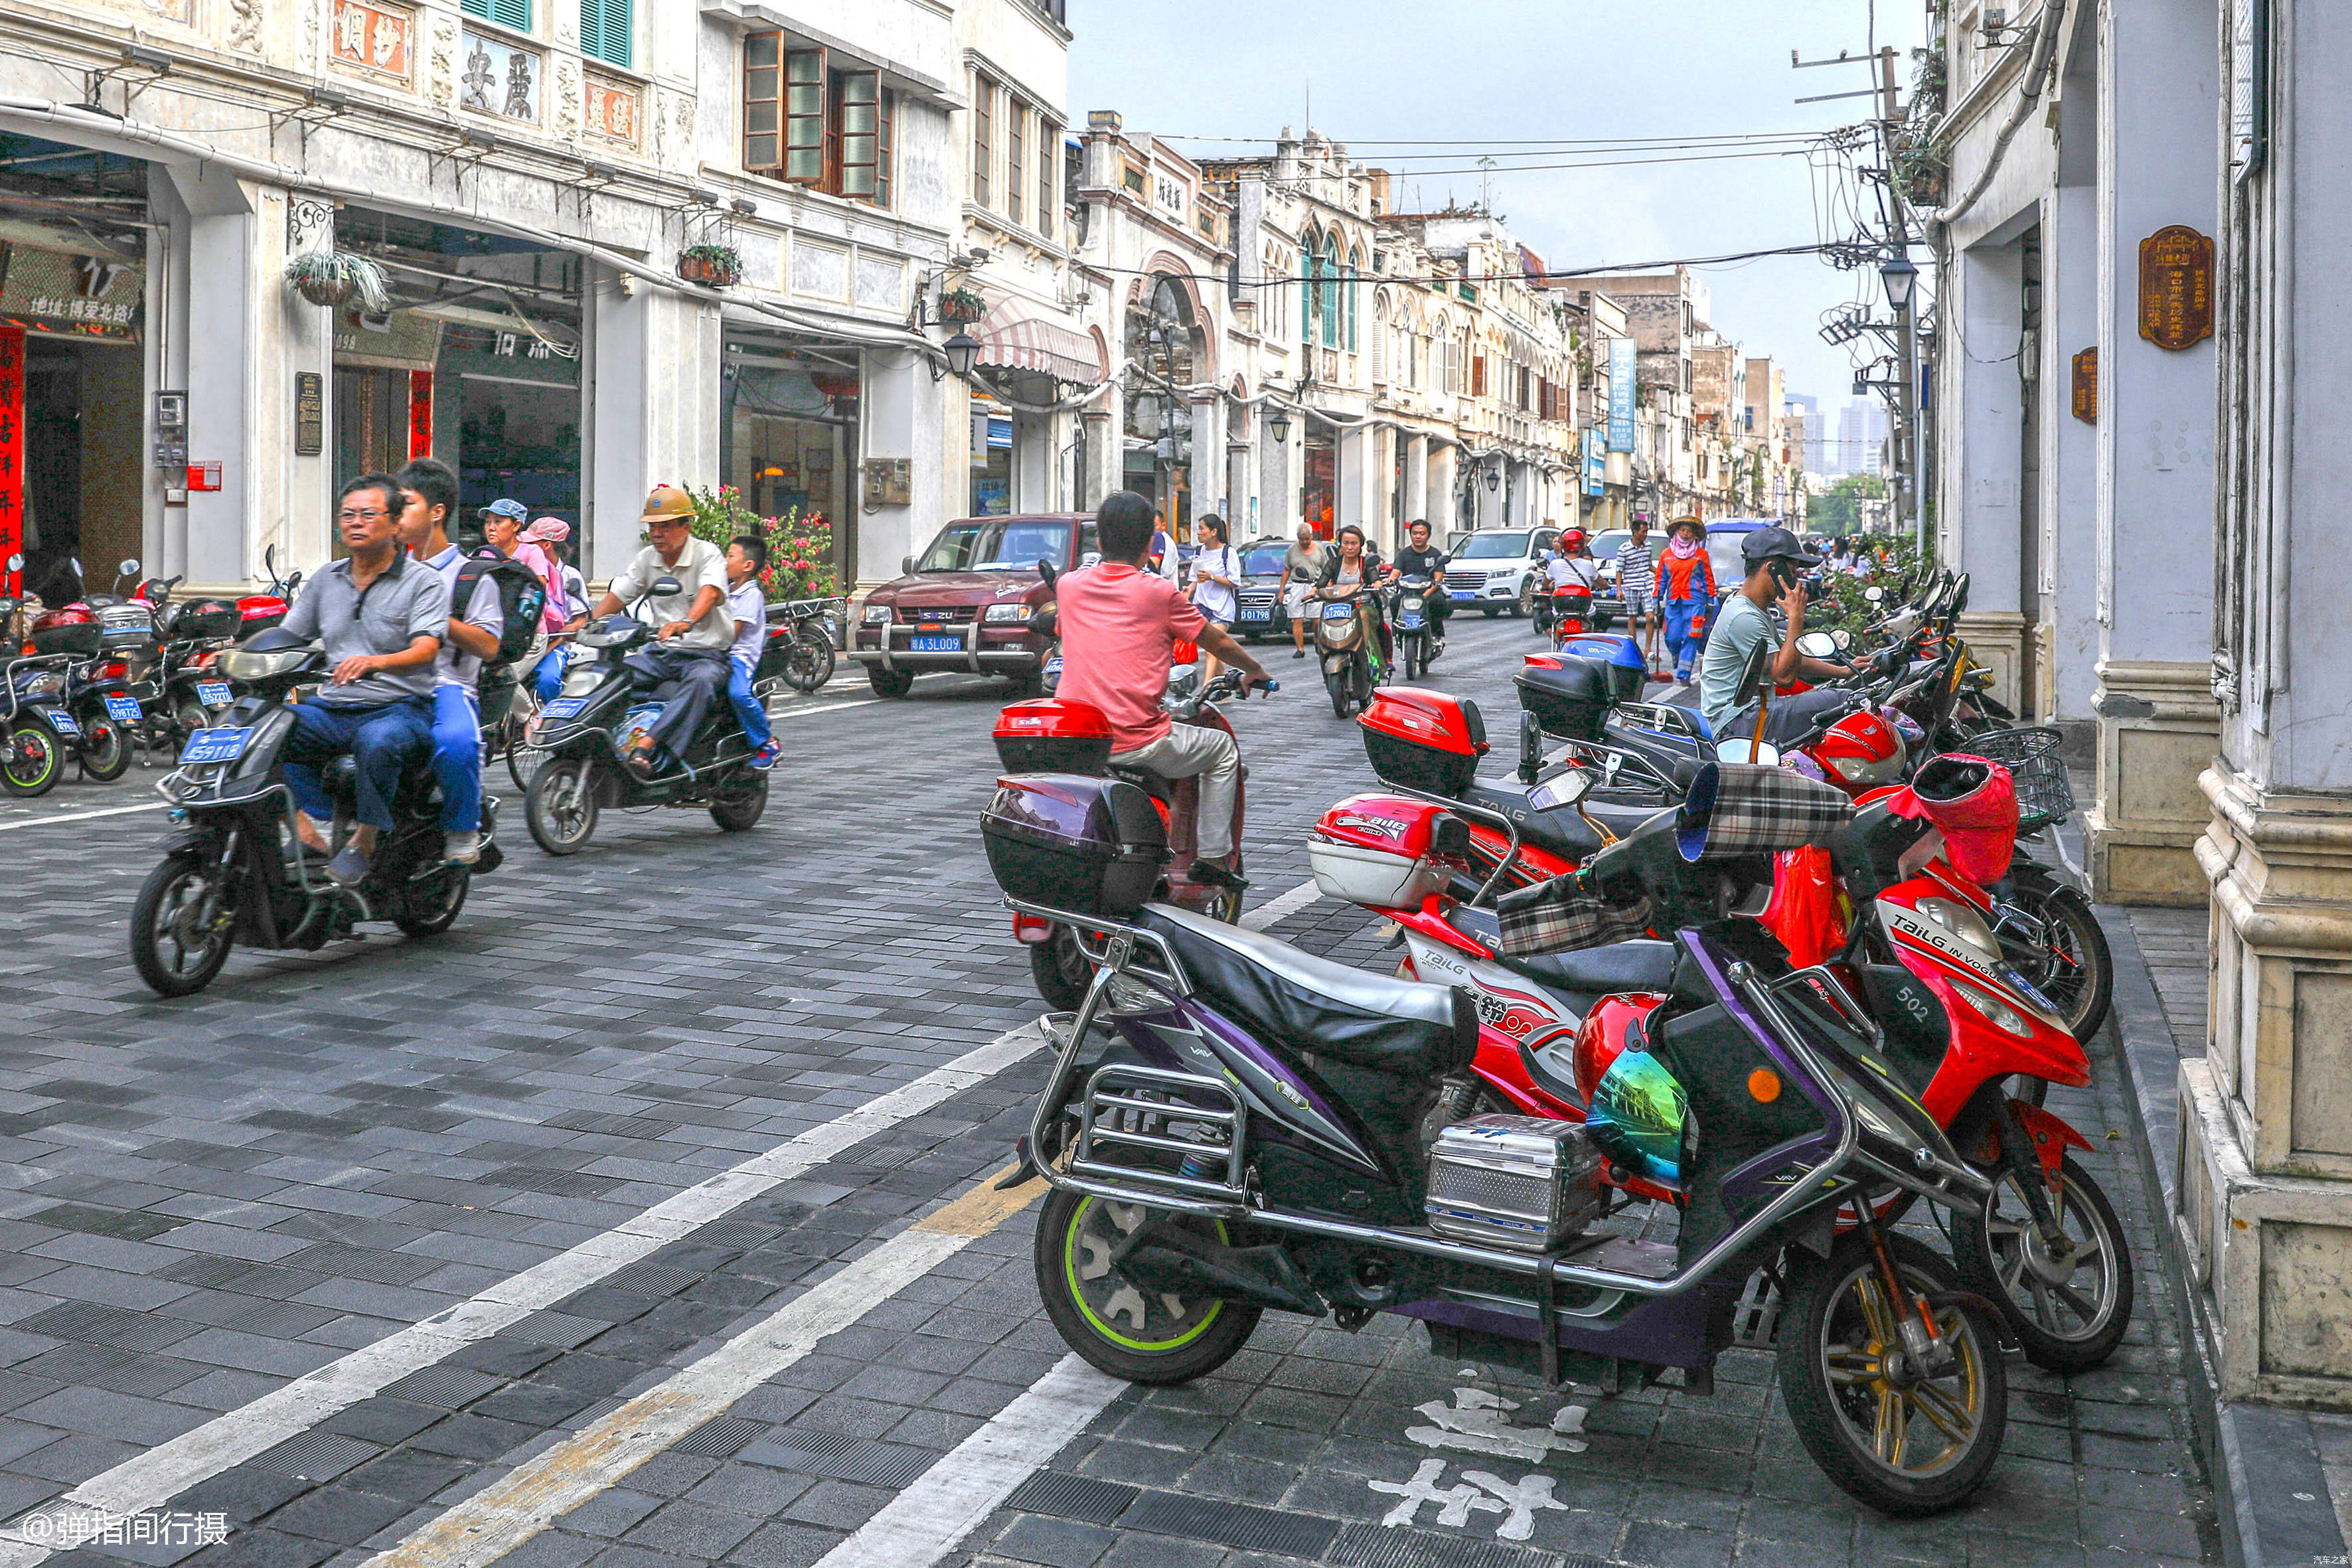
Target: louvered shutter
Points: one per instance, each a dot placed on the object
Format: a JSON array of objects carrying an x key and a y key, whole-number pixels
[
  {"x": 605, "y": 31},
  {"x": 515, "y": 13}
]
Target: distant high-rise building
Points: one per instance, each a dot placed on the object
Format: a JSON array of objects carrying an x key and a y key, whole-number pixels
[
  {"x": 1861, "y": 444},
  {"x": 1806, "y": 406}
]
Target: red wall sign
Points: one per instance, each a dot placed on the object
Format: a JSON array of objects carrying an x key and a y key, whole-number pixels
[
  {"x": 12, "y": 454},
  {"x": 420, "y": 414}
]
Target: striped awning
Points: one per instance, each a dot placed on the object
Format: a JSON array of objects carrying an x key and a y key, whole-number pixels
[{"x": 1012, "y": 336}]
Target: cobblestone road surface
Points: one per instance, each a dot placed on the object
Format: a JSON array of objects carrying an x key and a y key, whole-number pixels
[{"x": 225, "y": 1218}]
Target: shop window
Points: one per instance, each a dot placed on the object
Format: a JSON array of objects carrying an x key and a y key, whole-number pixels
[
  {"x": 605, "y": 31},
  {"x": 810, "y": 123},
  {"x": 515, "y": 13},
  {"x": 983, "y": 137}
]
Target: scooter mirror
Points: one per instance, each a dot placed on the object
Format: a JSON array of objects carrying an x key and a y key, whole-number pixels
[
  {"x": 127, "y": 567},
  {"x": 1566, "y": 790},
  {"x": 1091, "y": 558},
  {"x": 16, "y": 562},
  {"x": 1743, "y": 751},
  {"x": 666, "y": 586},
  {"x": 1531, "y": 748},
  {"x": 1843, "y": 640},
  {"x": 1751, "y": 677},
  {"x": 1046, "y": 568},
  {"x": 1818, "y": 645}
]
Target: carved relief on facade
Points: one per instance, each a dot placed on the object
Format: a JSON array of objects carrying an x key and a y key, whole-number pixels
[
  {"x": 614, "y": 110},
  {"x": 244, "y": 26},
  {"x": 373, "y": 41}
]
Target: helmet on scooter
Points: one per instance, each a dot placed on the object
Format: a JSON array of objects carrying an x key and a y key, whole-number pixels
[
  {"x": 1974, "y": 803},
  {"x": 1862, "y": 749},
  {"x": 1573, "y": 542}
]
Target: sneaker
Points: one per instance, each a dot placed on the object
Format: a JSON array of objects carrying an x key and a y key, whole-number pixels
[
  {"x": 461, "y": 848},
  {"x": 1299, "y": 653},
  {"x": 765, "y": 757},
  {"x": 349, "y": 868}
]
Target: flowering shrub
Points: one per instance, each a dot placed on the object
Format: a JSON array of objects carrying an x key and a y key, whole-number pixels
[{"x": 800, "y": 545}]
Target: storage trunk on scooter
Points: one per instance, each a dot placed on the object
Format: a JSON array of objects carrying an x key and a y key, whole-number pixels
[
  {"x": 1089, "y": 846},
  {"x": 257, "y": 613},
  {"x": 125, "y": 628},
  {"x": 77, "y": 637},
  {"x": 205, "y": 618},
  {"x": 1424, "y": 740},
  {"x": 1386, "y": 851},
  {"x": 1052, "y": 735},
  {"x": 1628, "y": 671},
  {"x": 1570, "y": 701}
]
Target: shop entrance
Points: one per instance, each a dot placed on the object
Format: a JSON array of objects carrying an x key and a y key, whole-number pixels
[
  {"x": 83, "y": 481},
  {"x": 1320, "y": 493},
  {"x": 789, "y": 443}
]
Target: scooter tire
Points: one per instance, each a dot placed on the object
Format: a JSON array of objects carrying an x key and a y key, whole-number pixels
[
  {"x": 1061, "y": 971},
  {"x": 1824, "y": 1314},
  {"x": 1985, "y": 1263},
  {"x": 2044, "y": 896},
  {"x": 1072, "y": 1253},
  {"x": 559, "y": 806},
  {"x": 431, "y": 906},
  {"x": 151, "y": 925},
  {"x": 740, "y": 813},
  {"x": 40, "y": 746},
  {"x": 105, "y": 750},
  {"x": 1338, "y": 682}
]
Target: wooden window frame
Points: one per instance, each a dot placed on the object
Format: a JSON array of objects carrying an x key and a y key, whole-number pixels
[
  {"x": 807, "y": 91},
  {"x": 984, "y": 130},
  {"x": 754, "y": 44},
  {"x": 1049, "y": 196},
  {"x": 1016, "y": 157}
]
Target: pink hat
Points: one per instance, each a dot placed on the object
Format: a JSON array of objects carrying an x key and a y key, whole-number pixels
[{"x": 548, "y": 531}]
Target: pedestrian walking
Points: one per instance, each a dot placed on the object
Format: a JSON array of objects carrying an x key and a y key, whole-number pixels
[
  {"x": 1300, "y": 566},
  {"x": 1637, "y": 583},
  {"x": 1686, "y": 592},
  {"x": 1216, "y": 580}
]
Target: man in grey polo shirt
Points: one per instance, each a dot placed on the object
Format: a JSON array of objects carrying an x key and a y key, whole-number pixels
[{"x": 380, "y": 617}]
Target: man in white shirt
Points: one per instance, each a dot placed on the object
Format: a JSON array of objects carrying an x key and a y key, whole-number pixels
[
  {"x": 429, "y": 499},
  {"x": 747, "y": 557},
  {"x": 693, "y": 627}
]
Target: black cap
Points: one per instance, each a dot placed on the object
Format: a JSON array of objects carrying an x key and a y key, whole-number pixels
[{"x": 1775, "y": 544}]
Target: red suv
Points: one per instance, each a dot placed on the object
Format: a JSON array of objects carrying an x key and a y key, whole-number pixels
[{"x": 966, "y": 603}]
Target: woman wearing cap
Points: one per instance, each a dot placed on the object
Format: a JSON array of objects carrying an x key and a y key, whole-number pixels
[{"x": 1686, "y": 591}]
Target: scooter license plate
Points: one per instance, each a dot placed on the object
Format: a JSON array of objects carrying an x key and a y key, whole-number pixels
[
  {"x": 126, "y": 708},
  {"x": 1053, "y": 667},
  {"x": 1260, "y": 614},
  {"x": 214, "y": 693},
  {"x": 62, "y": 723},
  {"x": 215, "y": 746},
  {"x": 1338, "y": 612},
  {"x": 563, "y": 708},
  {"x": 1409, "y": 623},
  {"x": 935, "y": 645},
  {"x": 1464, "y": 596}
]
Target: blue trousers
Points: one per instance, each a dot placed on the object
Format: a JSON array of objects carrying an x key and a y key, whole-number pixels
[
  {"x": 749, "y": 709},
  {"x": 1680, "y": 641},
  {"x": 547, "y": 674},
  {"x": 458, "y": 756},
  {"x": 381, "y": 739}
]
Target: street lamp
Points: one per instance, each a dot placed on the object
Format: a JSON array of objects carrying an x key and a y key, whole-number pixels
[
  {"x": 1900, "y": 277},
  {"x": 963, "y": 351},
  {"x": 1277, "y": 424},
  {"x": 1493, "y": 479}
]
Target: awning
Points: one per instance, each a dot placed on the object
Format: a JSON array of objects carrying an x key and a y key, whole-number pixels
[{"x": 1014, "y": 337}]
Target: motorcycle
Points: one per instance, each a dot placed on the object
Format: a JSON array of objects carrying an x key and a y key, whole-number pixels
[
  {"x": 1420, "y": 635},
  {"x": 799, "y": 651},
  {"x": 1267, "y": 1130},
  {"x": 233, "y": 870},
  {"x": 582, "y": 736},
  {"x": 1348, "y": 632}
]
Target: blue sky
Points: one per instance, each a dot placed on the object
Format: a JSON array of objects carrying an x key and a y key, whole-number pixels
[{"x": 1518, "y": 70}]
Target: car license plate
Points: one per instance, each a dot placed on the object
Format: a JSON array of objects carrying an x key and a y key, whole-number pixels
[
  {"x": 563, "y": 708},
  {"x": 936, "y": 645},
  {"x": 214, "y": 693},
  {"x": 1258, "y": 614},
  {"x": 126, "y": 708},
  {"x": 215, "y": 746},
  {"x": 62, "y": 723},
  {"x": 1465, "y": 595}
]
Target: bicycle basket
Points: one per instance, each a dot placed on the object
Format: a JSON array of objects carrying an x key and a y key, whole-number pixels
[{"x": 2044, "y": 794}]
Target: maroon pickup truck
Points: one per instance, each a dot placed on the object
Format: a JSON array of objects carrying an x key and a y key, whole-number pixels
[{"x": 965, "y": 604}]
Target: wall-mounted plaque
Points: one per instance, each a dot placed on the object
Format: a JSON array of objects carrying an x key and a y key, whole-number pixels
[
  {"x": 2086, "y": 385},
  {"x": 2176, "y": 288},
  {"x": 309, "y": 413}
]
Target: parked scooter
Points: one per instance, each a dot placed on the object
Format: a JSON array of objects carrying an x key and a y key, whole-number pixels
[
  {"x": 233, "y": 872},
  {"x": 803, "y": 636},
  {"x": 1269, "y": 1129}
]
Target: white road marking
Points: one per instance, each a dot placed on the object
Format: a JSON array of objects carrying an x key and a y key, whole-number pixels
[
  {"x": 81, "y": 815},
  {"x": 502, "y": 1516},
  {"x": 822, "y": 707},
  {"x": 149, "y": 1479},
  {"x": 923, "y": 1522},
  {"x": 1273, "y": 909}
]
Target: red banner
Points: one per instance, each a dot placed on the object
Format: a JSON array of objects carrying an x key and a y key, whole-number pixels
[
  {"x": 420, "y": 414},
  {"x": 12, "y": 454}
]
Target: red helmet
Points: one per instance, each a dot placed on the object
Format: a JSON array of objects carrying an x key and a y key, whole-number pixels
[
  {"x": 1572, "y": 540},
  {"x": 1862, "y": 749}
]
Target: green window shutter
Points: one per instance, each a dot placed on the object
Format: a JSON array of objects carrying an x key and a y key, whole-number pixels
[
  {"x": 606, "y": 32},
  {"x": 515, "y": 13}
]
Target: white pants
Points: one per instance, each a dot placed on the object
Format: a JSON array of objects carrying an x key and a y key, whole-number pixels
[{"x": 1187, "y": 750}]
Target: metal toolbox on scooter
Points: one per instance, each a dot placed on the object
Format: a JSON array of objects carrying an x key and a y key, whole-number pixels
[
  {"x": 1090, "y": 846},
  {"x": 125, "y": 628},
  {"x": 1515, "y": 1182},
  {"x": 1052, "y": 735},
  {"x": 1386, "y": 851},
  {"x": 1424, "y": 740},
  {"x": 1571, "y": 698}
]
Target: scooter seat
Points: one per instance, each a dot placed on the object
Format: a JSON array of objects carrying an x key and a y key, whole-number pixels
[
  {"x": 1557, "y": 828},
  {"x": 1398, "y": 1026},
  {"x": 1591, "y": 972}
]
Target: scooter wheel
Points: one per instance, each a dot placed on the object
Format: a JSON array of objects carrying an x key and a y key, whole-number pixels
[
  {"x": 30, "y": 759},
  {"x": 1143, "y": 1336},
  {"x": 2067, "y": 1324},
  {"x": 1061, "y": 971},
  {"x": 559, "y": 807},
  {"x": 176, "y": 945},
  {"x": 1338, "y": 684},
  {"x": 430, "y": 906},
  {"x": 105, "y": 750}
]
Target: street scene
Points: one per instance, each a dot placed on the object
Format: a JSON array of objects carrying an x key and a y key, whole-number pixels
[{"x": 1013, "y": 782}]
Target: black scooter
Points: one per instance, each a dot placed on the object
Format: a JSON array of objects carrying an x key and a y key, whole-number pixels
[
  {"x": 233, "y": 870},
  {"x": 584, "y": 735},
  {"x": 1420, "y": 635}
]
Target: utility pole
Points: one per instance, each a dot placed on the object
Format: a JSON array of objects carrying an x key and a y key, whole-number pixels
[{"x": 1908, "y": 443}]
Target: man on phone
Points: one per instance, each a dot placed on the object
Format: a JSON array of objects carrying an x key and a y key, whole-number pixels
[{"x": 1776, "y": 560}]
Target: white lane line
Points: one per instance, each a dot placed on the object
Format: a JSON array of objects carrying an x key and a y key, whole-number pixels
[
  {"x": 149, "y": 1479},
  {"x": 1273, "y": 909},
  {"x": 945, "y": 1503},
  {"x": 822, "y": 707},
  {"x": 502, "y": 1516},
  {"x": 81, "y": 815}
]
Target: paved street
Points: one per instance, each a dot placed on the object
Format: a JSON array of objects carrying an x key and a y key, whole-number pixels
[{"x": 609, "y": 1228}]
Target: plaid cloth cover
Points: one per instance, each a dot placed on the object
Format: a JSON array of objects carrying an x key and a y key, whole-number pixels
[
  {"x": 1735, "y": 808},
  {"x": 1560, "y": 917}
]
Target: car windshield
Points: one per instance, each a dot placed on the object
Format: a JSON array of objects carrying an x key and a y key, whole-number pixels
[
  {"x": 998, "y": 544},
  {"x": 1722, "y": 553},
  {"x": 1493, "y": 547},
  {"x": 1263, "y": 561}
]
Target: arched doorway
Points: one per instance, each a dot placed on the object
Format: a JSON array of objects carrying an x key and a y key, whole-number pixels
[{"x": 1164, "y": 352}]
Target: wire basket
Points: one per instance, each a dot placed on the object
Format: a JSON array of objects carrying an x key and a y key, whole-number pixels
[{"x": 2044, "y": 796}]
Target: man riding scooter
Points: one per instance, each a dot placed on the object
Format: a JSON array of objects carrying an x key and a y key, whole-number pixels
[
  {"x": 1776, "y": 562},
  {"x": 1119, "y": 622},
  {"x": 693, "y": 626}
]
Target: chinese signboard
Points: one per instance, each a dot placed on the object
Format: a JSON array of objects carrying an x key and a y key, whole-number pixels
[
  {"x": 11, "y": 452},
  {"x": 57, "y": 292},
  {"x": 309, "y": 413},
  {"x": 1622, "y": 376},
  {"x": 420, "y": 414},
  {"x": 1596, "y": 464},
  {"x": 610, "y": 109},
  {"x": 499, "y": 79},
  {"x": 2086, "y": 386},
  {"x": 2176, "y": 288},
  {"x": 377, "y": 39}
]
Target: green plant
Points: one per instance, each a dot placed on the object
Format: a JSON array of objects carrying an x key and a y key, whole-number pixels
[
  {"x": 800, "y": 545},
  {"x": 335, "y": 277},
  {"x": 963, "y": 305},
  {"x": 1899, "y": 562},
  {"x": 725, "y": 255}
]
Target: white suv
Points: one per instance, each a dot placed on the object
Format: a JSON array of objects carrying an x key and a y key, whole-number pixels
[{"x": 1498, "y": 569}]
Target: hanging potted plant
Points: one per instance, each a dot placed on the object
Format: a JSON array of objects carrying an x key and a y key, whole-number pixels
[
  {"x": 963, "y": 305},
  {"x": 716, "y": 265},
  {"x": 336, "y": 277}
]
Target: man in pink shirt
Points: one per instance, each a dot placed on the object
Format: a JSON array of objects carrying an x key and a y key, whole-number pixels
[{"x": 1118, "y": 623}]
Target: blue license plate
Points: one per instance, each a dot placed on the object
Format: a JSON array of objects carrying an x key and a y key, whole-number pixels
[
  {"x": 126, "y": 708},
  {"x": 935, "y": 645},
  {"x": 215, "y": 746},
  {"x": 1338, "y": 612},
  {"x": 63, "y": 723},
  {"x": 563, "y": 708},
  {"x": 1465, "y": 594},
  {"x": 1053, "y": 665},
  {"x": 1409, "y": 623},
  {"x": 1258, "y": 614},
  {"x": 214, "y": 693}
]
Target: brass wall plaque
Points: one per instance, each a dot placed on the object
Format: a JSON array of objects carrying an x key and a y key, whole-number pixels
[
  {"x": 2176, "y": 288},
  {"x": 309, "y": 413},
  {"x": 2086, "y": 386}
]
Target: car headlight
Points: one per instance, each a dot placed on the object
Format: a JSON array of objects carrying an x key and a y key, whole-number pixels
[
  {"x": 1008, "y": 612},
  {"x": 877, "y": 615}
]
